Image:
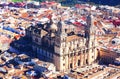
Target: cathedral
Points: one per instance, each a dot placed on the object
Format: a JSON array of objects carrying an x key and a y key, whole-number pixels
[{"x": 61, "y": 44}]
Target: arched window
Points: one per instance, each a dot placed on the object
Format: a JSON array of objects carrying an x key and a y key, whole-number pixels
[
  {"x": 70, "y": 65},
  {"x": 113, "y": 42},
  {"x": 78, "y": 62}
]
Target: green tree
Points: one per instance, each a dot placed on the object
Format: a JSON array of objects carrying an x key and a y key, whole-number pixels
[{"x": 17, "y": 0}]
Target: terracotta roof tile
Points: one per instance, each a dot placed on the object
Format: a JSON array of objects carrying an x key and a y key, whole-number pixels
[{"x": 71, "y": 38}]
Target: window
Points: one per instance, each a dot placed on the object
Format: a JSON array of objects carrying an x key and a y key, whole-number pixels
[
  {"x": 83, "y": 51},
  {"x": 92, "y": 57},
  {"x": 92, "y": 50},
  {"x": 92, "y": 43},
  {"x": 78, "y": 62},
  {"x": 63, "y": 39},
  {"x": 71, "y": 55},
  {"x": 63, "y": 50},
  {"x": 70, "y": 65},
  {"x": 79, "y": 53},
  {"x": 64, "y": 64},
  {"x": 52, "y": 55},
  {"x": 113, "y": 42},
  {"x": 36, "y": 40},
  {"x": 87, "y": 50},
  {"x": 77, "y": 45},
  {"x": 86, "y": 61}
]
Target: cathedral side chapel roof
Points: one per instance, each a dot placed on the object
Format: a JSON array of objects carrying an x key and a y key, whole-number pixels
[{"x": 71, "y": 38}]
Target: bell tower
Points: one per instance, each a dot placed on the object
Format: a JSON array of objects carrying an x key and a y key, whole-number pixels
[
  {"x": 90, "y": 31},
  {"x": 60, "y": 34},
  {"x": 59, "y": 48},
  {"x": 87, "y": 30}
]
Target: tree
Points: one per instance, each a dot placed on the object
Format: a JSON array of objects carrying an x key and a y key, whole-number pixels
[{"x": 17, "y": 0}]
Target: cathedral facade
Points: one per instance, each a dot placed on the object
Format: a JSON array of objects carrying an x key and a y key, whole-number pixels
[{"x": 62, "y": 45}]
